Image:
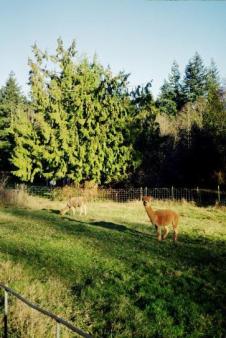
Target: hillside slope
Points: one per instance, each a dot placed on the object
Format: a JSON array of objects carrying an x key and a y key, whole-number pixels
[{"x": 108, "y": 275}]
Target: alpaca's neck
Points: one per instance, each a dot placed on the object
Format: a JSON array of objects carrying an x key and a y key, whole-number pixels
[{"x": 150, "y": 212}]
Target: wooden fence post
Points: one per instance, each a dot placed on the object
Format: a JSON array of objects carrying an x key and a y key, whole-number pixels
[
  {"x": 218, "y": 194},
  {"x": 172, "y": 192},
  {"x": 198, "y": 194},
  {"x": 5, "y": 314},
  {"x": 57, "y": 330},
  {"x": 141, "y": 193}
]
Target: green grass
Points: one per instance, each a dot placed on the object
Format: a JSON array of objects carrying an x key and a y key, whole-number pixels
[{"x": 107, "y": 273}]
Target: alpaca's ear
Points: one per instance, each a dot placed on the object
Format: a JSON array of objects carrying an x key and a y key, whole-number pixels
[{"x": 147, "y": 198}]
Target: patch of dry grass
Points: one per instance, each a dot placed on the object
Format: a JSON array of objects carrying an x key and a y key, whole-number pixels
[{"x": 14, "y": 197}]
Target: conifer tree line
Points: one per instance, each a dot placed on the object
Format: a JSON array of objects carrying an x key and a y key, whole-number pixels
[{"x": 82, "y": 123}]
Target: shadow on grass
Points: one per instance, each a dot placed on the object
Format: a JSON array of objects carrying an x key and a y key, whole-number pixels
[
  {"x": 54, "y": 211},
  {"x": 120, "y": 240},
  {"x": 110, "y": 225},
  {"x": 68, "y": 224}
]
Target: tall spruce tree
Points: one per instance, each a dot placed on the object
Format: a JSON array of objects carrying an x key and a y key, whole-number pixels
[
  {"x": 213, "y": 74},
  {"x": 195, "y": 79},
  {"x": 11, "y": 99},
  {"x": 24, "y": 158},
  {"x": 170, "y": 99},
  {"x": 146, "y": 136},
  {"x": 215, "y": 117}
]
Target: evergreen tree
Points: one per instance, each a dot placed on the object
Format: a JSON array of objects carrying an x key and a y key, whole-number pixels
[
  {"x": 11, "y": 99},
  {"x": 214, "y": 117},
  {"x": 24, "y": 158},
  {"x": 81, "y": 117},
  {"x": 175, "y": 83},
  {"x": 170, "y": 99},
  {"x": 213, "y": 75},
  {"x": 146, "y": 136},
  {"x": 195, "y": 79}
]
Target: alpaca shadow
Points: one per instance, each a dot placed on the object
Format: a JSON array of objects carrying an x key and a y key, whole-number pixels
[
  {"x": 121, "y": 228},
  {"x": 53, "y": 211},
  {"x": 111, "y": 226},
  {"x": 101, "y": 224}
]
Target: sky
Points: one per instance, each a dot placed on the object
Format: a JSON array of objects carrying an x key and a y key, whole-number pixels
[{"x": 140, "y": 37}]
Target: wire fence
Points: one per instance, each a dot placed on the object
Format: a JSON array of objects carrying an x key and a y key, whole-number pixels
[
  {"x": 42, "y": 191},
  {"x": 197, "y": 195}
]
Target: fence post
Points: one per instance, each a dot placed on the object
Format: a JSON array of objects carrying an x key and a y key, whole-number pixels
[
  {"x": 57, "y": 330},
  {"x": 141, "y": 193},
  {"x": 5, "y": 314},
  {"x": 198, "y": 194},
  {"x": 145, "y": 191},
  {"x": 172, "y": 192},
  {"x": 218, "y": 194}
]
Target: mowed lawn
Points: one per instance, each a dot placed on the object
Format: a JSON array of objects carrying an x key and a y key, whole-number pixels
[{"x": 107, "y": 274}]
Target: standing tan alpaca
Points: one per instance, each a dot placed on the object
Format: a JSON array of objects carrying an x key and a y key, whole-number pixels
[
  {"x": 73, "y": 203},
  {"x": 161, "y": 219}
]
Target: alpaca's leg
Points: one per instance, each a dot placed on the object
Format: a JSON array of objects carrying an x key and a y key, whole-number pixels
[
  {"x": 159, "y": 237},
  {"x": 63, "y": 211},
  {"x": 82, "y": 210},
  {"x": 165, "y": 233},
  {"x": 175, "y": 229},
  {"x": 175, "y": 234},
  {"x": 73, "y": 211}
]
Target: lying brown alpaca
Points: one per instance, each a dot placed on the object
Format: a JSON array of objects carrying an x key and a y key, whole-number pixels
[
  {"x": 161, "y": 219},
  {"x": 73, "y": 203}
]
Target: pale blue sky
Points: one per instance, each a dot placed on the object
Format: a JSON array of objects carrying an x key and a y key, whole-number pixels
[{"x": 140, "y": 37}]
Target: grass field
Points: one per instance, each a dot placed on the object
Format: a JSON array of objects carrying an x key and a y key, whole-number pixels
[{"x": 106, "y": 272}]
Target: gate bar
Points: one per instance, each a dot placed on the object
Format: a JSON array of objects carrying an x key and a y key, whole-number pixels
[{"x": 38, "y": 308}]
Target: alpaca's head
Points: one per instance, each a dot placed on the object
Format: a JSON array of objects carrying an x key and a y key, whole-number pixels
[
  {"x": 64, "y": 210},
  {"x": 146, "y": 200}
]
